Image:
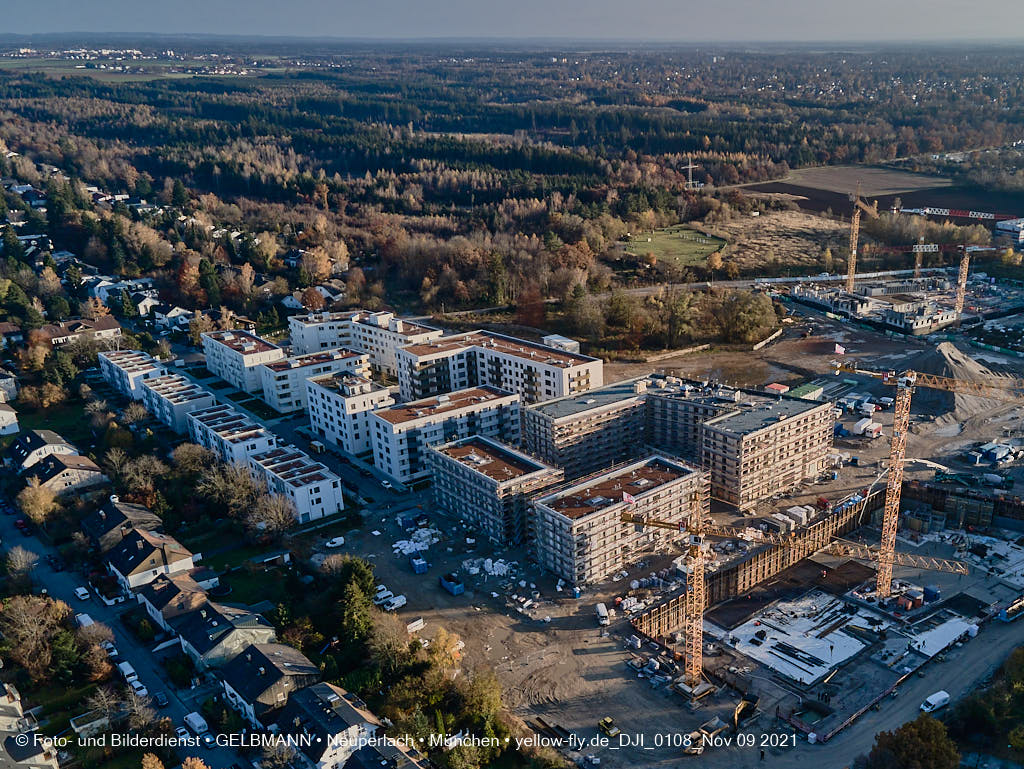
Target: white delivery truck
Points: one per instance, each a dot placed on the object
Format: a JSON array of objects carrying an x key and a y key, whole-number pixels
[
  {"x": 602, "y": 614},
  {"x": 938, "y": 700},
  {"x": 196, "y": 723}
]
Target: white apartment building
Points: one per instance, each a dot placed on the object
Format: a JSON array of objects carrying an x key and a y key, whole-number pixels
[
  {"x": 125, "y": 370},
  {"x": 235, "y": 356},
  {"x": 232, "y": 436},
  {"x": 578, "y": 533},
  {"x": 172, "y": 397},
  {"x": 284, "y": 381},
  {"x": 534, "y": 371},
  {"x": 378, "y": 334},
  {"x": 314, "y": 489},
  {"x": 339, "y": 409},
  {"x": 402, "y": 433}
]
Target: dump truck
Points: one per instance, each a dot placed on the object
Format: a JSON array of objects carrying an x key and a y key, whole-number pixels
[{"x": 607, "y": 725}]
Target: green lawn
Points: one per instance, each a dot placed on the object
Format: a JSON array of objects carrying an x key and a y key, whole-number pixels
[
  {"x": 680, "y": 244},
  {"x": 255, "y": 586},
  {"x": 234, "y": 557},
  {"x": 68, "y": 420}
]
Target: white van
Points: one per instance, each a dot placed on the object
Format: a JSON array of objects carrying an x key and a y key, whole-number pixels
[
  {"x": 602, "y": 614},
  {"x": 935, "y": 701},
  {"x": 128, "y": 672},
  {"x": 83, "y": 620}
]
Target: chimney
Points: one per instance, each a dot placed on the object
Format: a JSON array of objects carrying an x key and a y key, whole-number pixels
[{"x": 263, "y": 670}]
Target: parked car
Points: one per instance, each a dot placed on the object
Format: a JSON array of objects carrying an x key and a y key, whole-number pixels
[
  {"x": 139, "y": 688},
  {"x": 55, "y": 562},
  {"x": 161, "y": 700},
  {"x": 335, "y": 542},
  {"x": 383, "y": 598},
  {"x": 208, "y": 740},
  {"x": 395, "y": 602},
  {"x": 22, "y": 525},
  {"x": 182, "y": 733},
  {"x": 365, "y": 473},
  {"x": 387, "y": 485},
  {"x": 109, "y": 648},
  {"x": 82, "y": 593}
]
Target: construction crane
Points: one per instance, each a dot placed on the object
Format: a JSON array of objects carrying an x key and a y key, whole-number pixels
[
  {"x": 697, "y": 530},
  {"x": 955, "y": 212},
  {"x": 905, "y": 383},
  {"x": 858, "y": 206},
  {"x": 919, "y": 249}
]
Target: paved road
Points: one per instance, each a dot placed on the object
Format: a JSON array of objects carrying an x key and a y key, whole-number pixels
[{"x": 62, "y": 585}]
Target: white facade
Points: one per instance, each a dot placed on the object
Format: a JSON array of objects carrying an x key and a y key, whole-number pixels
[
  {"x": 378, "y": 334},
  {"x": 536, "y": 372},
  {"x": 314, "y": 489},
  {"x": 284, "y": 381},
  {"x": 172, "y": 397},
  {"x": 340, "y": 407},
  {"x": 235, "y": 357},
  {"x": 402, "y": 433},
  {"x": 8, "y": 420},
  {"x": 125, "y": 370},
  {"x": 232, "y": 436}
]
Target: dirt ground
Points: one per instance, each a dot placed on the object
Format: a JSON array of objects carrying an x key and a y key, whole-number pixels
[{"x": 873, "y": 181}]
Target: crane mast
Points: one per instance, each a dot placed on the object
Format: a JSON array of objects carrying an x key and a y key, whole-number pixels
[
  {"x": 894, "y": 486},
  {"x": 961, "y": 281},
  {"x": 859, "y": 206}
]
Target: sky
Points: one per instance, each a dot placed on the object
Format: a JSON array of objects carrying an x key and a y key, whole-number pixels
[{"x": 660, "y": 20}]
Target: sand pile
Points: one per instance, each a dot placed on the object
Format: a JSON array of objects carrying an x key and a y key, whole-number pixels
[{"x": 949, "y": 361}]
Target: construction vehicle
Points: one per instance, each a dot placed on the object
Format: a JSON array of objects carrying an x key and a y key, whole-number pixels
[
  {"x": 858, "y": 206},
  {"x": 1008, "y": 389},
  {"x": 607, "y": 725}
]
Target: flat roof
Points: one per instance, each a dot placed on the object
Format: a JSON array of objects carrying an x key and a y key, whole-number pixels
[
  {"x": 241, "y": 341},
  {"x": 229, "y": 424},
  {"x": 441, "y": 404},
  {"x": 292, "y": 466},
  {"x": 340, "y": 380},
  {"x": 606, "y": 489},
  {"x": 132, "y": 361},
  {"x": 520, "y": 348},
  {"x": 176, "y": 388},
  {"x": 491, "y": 458},
  {"x": 609, "y": 395},
  {"x": 313, "y": 359},
  {"x": 363, "y": 317}
]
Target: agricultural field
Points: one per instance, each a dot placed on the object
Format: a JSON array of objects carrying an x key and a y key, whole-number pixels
[
  {"x": 680, "y": 245},
  {"x": 874, "y": 182}
]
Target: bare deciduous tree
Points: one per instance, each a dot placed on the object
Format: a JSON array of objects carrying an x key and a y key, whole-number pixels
[
  {"x": 20, "y": 562},
  {"x": 37, "y": 502},
  {"x": 192, "y": 458},
  {"x": 273, "y": 514}
]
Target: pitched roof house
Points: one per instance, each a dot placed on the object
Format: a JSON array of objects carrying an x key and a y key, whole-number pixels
[
  {"x": 33, "y": 445},
  {"x": 142, "y": 556},
  {"x": 107, "y": 526},
  {"x": 260, "y": 679},
  {"x": 68, "y": 473},
  {"x": 213, "y": 633}
]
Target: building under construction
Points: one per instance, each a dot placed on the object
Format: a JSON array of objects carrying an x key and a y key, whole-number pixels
[
  {"x": 753, "y": 445},
  {"x": 579, "y": 534}
]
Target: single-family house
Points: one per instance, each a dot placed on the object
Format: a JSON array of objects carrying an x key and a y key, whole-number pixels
[
  {"x": 259, "y": 681},
  {"x": 328, "y": 723},
  {"x": 142, "y": 556},
  {"x": 171, "y": 595},
  {"x": 108, "y": 525},
  {"x": 68, "y": 473},
  {"x": 8, "y": 420},
  {"x": 31, "y": 447},
  {"x": 213, "y": 633}
]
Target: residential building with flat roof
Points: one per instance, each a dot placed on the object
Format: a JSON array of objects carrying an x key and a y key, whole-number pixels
[
  {"x": 487, "y": 484},
  {"x": 230, "y": 435},
  {"x": 235, "y": 356},
  {"x": 339, "y": 408},
  {"x": 535, "y": 371},
  {"x": 753, "y": 444},
  {"x": 378, "y": 334},
  {"x": 589, "y": 431},
  {"x": 284, "y": 381},
  {"x": 315, "y": 490},
  {"x": 402, "y": 433},
  {"x": 578, "y": 533},
  {"x": 125, "y": 370},
  {"x": 172, "y": 397}
]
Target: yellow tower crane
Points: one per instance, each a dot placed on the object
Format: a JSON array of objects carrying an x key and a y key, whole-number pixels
[
  {"x": 859, "y": 205},
  {"x": 1001, "y": 389},
  {"x": 695, "y": 597}
]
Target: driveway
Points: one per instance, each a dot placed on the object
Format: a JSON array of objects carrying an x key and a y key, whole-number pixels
[{"x": 62, "y": 585}]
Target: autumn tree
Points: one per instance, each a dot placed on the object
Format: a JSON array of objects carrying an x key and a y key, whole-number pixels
[
  {"x": 37, "y": 502},
  {"x": 232, "y": 487},
  {"x": 29, "y": 624},
  {"x": 93, "y": 309},
  {"x": 150, "y": 761},
  {"x": 194, "y": 763},
  {"x": 272, "y": 515},
  {"x": 191, "y": 458},
  {"x": 315, "y": 265},
  {"x": 313, "y": 300},
  {"x": 197, "y": 326}
]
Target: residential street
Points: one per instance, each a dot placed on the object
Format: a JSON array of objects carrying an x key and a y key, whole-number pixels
[{"x": 62, "y": 585}]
